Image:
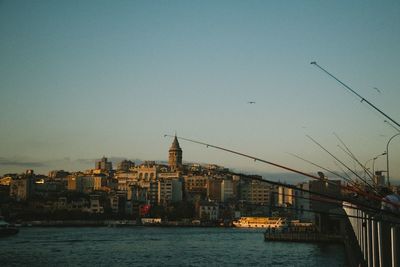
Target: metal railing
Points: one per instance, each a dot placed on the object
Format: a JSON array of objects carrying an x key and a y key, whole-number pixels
[{"x": 377, "y": 237}]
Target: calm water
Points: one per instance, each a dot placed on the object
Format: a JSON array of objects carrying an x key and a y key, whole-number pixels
[{"x": 140, "y": 246}]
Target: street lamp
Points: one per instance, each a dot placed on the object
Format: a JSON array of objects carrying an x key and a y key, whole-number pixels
[{"x": 387, "y": 157}]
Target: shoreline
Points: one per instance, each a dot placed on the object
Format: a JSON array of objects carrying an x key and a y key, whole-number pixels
[{"x": 110, "y": 223}]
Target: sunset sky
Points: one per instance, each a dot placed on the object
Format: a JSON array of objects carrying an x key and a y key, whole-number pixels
[{"x": 83, "y": 79}]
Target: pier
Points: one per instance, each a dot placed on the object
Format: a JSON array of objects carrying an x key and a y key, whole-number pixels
[{"x": 375, "y": 237}]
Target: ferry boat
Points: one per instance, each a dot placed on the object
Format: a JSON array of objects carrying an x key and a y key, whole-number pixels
[
  {"x": 6, "y": 229},
  {"x": 260, "y": 222}
]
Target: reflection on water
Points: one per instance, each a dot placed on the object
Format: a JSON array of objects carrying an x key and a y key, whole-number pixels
[{"x": 141, "y": 246}]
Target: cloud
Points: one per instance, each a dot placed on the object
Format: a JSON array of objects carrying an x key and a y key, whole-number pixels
[{"x": 21, "y": 163}]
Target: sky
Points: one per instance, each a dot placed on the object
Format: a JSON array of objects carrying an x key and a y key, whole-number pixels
[{"x": 83, "y": 79}]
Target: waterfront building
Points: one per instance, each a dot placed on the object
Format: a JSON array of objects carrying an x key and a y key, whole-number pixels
[
  {"x": 23, "y": 186},
  {"x": 321, "y": 205},
  {"x": 303, "y": 203},
  {"x": 103, "y": 164},
  {"x": 164, "y": 191},
  {"x": 195, "y": 187},
  {"x": 94, "y": 204},
  {"x": 147, "y": 172},
  {"x": 125, "y": 165},
  {"x": 125, "y": 179},
  {"x": 79, "y": 204},
  {"x": 285, "y": 197},
  {"x": 195, "y": 183},
  {"x": 214, "y": 189},
  {"x": 169, "y": 175},
  {"x": 46, "y": 188},
  {"x": 118, "y": 202},
  {"x": 20, "y": 189},
  {"x": 84, "y": 184},
  {"x": 208, "y": 211},
  {"x": 6, "y": 180},
  {"x": 226, "y": 190},
  {"x": 169, "y": 191},
  {"x": 255, "y": 191},
  {"x": 58, "y": 174},
  {"x": 175, "y": 156},
  {"x": 72, "y": 182},
  {"x": 151, "y": 221},
  {"x": 153, "y": 192},
  {"x": 137, "y": 193}
]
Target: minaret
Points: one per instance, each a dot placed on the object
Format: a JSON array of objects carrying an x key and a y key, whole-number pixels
[{"x": 175, "y": 155}]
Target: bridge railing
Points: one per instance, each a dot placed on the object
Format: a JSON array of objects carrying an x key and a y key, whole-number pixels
[{"x": 377, "y": 236}]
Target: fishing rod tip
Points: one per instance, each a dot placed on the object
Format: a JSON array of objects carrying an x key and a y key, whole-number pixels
[{"x": 313, "y": 63}]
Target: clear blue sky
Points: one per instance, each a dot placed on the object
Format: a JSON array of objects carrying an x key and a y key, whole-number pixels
[{"x": 83, "y": 79}]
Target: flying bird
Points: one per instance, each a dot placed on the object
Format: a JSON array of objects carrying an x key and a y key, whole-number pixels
[
  {"x": 379, "y": 91},
  {"x": 251, "y": 102}
]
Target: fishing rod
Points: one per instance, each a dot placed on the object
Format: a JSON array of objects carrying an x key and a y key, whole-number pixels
[
  {"x": 366, "y": 171},
  {"x": 246, "y": 156},
  {"x": 397, "y": 129},
  {"x": 349, "y": 180},
  {"x": 253, "y": 158},
  {"x": 282, "y": 167},
  {"x": 325, "y": 169},
  {"x": 326, "y": 200},
  {"x": 347, "y": 175},
  {"x": 354, "y": 92},
  {"x": 350, "y": 153},
  {"x": 358, "y": 202},
  {"x": 352, "y": 156},
  {"x": 347, "y": 148},
  {"x": 338, "y": 160},
  {"x": 345, "y": 215}
]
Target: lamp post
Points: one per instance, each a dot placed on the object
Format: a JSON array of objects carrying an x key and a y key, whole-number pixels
[{"x": 387, "y": 157}]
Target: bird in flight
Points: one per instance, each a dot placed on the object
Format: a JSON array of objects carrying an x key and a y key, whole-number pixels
[
  {"x": 251, "y": 102},
  {"x": 379, "y": 91}
]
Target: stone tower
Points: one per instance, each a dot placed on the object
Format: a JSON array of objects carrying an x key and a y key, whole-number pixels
[{"x": 175, "y": 156}]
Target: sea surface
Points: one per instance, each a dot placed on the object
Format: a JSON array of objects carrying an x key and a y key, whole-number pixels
[{"x": 154, "y": 246}]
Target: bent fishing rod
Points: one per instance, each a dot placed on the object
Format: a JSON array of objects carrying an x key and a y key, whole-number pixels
[
  {"x": 367, "y": 195},
  {"x": 366, "y": 170},
  {"x": 347, "y": 179},
  {"x": 354, "y": 92},
  {"x": 326, "y": 196},
  {"x": 352, "y": 156},
  {"x": 376, "y": 217},
  {"x": 338, "y": 160},
  {"x": 322, "y": 199}
]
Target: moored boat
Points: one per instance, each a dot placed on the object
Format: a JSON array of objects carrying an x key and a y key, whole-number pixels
[
  {"x": 7, "y": 229},
  {"x": 260, "y": 222}
]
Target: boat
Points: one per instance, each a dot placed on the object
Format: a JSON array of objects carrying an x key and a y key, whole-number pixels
[
  {"x": 7, "y": 229},
  {"x": 260, "y": 222}
]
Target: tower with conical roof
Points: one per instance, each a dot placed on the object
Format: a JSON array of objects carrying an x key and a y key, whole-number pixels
[{"x": 175, "y": 155}]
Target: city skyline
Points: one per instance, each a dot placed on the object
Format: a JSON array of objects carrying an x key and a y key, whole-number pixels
[{"x": 83, "y": 79}]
